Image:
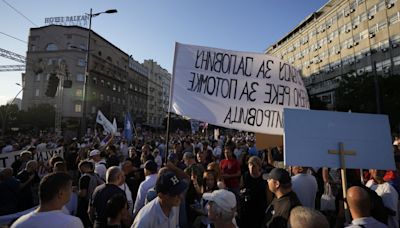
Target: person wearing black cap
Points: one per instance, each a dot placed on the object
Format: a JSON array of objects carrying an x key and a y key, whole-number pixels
[
  {"x": 150, "y": 171},
  {"x": 279, "y": 183},
  {"x": 163, "y": 211}
]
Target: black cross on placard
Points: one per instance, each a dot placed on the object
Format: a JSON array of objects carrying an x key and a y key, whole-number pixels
[{"x": 342, "y": 153}]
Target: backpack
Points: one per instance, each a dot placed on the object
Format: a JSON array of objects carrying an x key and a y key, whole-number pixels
[{"x": 95, "y": 181}]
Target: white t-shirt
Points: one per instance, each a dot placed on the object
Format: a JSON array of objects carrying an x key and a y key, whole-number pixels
[
  {"x": 55, "y": 218},
  {"x": 152, "y": 216},
  {"x": 390, "y": 199},
  {"x": 101, "y": 169},
  {"x": 305, "y": 186},
  {"x": 217, "y": 152},
  {"x": 124, "y": 187}
]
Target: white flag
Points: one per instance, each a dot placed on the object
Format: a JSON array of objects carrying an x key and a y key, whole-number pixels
[{"x": 107, "y": 125}]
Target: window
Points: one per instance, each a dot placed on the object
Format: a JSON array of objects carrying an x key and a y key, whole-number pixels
[
  {"x": 78, "y": 108},
  {"x": 394, "y": 18},
  {"x": 37, "y": 92},
  {"x": 93, "y": 109},
  {"x": 51, "y": 47},
  {"x": 33, "y": 47},
  {"x": 372, "y": 11},
  {"x": 37, "y": 77},
  {"x": 79, "y": 92},
  {"x": 52, "y": 62},
  {"x": 81, "y": 62},
  {"x": 80, "y": 78},
  {"x": 364, "y": 34},
  {"x": 101, "y": 97}
]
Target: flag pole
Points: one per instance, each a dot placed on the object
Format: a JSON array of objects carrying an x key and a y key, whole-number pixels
[{"x": 171, "y": 89}]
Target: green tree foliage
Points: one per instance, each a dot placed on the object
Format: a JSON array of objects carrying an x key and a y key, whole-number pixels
[
  {"x": 40, "y": 117},
  {"x": 317, "y": 104},
  {"x": 358, "y": 94}
]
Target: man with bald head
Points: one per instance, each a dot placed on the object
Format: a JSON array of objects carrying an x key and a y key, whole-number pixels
[
  {"x": 97, "y": 206},
  {"x": 360, "y": 206}
]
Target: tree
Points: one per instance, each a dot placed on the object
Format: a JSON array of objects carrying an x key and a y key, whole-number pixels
[
  {"x": 317, "y": 104},
  {"x": 358, "y": 94},
  {"x": 39, "y": 117}
]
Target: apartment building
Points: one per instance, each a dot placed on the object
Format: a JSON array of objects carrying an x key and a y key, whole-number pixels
[
  {"x": 158, "y": 93},
  {"x": 116, "y": 83},
  {"x": 344, "y": 37}
]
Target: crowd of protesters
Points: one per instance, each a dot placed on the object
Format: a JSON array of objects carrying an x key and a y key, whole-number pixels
[{"x": 201, "y": 181}]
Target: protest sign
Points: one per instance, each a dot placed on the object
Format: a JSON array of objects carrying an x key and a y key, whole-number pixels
[
  {"x": 240, "y": 90},
  {"x": 265, "y": 141},
  {"x": 310, "y": 135},
  {"x": 6, "y": 159}
]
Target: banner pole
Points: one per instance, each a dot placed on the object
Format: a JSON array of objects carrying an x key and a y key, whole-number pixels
[
  {"x": 171, "y": 89},
  {"x": 344, "y": 181}
]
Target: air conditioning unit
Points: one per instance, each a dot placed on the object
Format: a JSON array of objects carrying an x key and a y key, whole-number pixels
[
  {"x": 355, "y": 26},
  {"x": 352, "y": 10},
  {"x": 337, "y": 52},
  {"x": 390, "y": 5},
  {"x": 311, "y": 62},
  {"x": 361, "y": 71},
  {"x": 370, "y": 17},
  {"x": 329, "y": 41},
  {"x": 347, "y": 14},
  {"x": 371, "y": 35},
  {"x": 349, "y": 46},
  {"x": 347, "y": 30},
  {"x": 328, "y": 26},
  {"x": 386, "y": 70},
  {"x": 355, "y": 43},
  {"x": 395, "y": 45},
  {"x": 384, "y": 49},
  {"x": 308, "y": 66}
]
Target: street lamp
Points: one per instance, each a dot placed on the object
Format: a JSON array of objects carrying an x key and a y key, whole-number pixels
[
  {"x": 4, "y": 117},
  {"x": 85, "y": 83}
]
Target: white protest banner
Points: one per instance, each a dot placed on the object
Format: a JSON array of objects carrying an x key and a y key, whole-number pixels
[
  {"x": 6, "y": 159},
  {"x": 309, "y": 135},
  {"x": 107, "y": 125},
  {"x": 240, "y": 90}
]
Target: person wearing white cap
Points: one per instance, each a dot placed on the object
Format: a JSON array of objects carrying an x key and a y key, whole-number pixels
[
  {"x": 99, "y": 163},
  {"x": 221, "y": 208}
]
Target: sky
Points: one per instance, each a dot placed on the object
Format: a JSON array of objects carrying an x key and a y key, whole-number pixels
[{"x": 148, "y": 29}]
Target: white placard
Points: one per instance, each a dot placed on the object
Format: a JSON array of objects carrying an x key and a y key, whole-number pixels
[
  {"x": 310, "y": 134},
  {"x": 6, "y": 159},
  {"x": 240, "y": 90}
]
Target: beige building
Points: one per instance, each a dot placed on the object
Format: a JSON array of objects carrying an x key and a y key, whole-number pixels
[
  {"x": 116, "y": 83},
  {"x": 355, "y": 37},
  {"x": 158, "y": 93}
]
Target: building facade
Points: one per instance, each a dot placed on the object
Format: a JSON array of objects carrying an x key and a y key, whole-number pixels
[
  {"x": 116, "y": 84},
  {"x": 344, "y": 37},
  {"x": 158, "y": 93}
]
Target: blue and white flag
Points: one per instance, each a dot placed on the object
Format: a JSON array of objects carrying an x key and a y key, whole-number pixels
[{"x": 128, "y": 127}]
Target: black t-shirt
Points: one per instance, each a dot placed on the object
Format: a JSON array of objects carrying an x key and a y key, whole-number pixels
[
  {"x": 99, "y": 202},
  {"x": 135, "y": 161},
  {"x": 112, "y": 161},
  {"x": 9, "y": 195},
  {"x": 253, "y": 201},
  {"x": 279, "y": 210}
]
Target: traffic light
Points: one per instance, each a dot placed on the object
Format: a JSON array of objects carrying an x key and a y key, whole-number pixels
[{"x": 52, "y": 85}]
